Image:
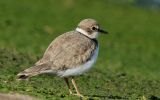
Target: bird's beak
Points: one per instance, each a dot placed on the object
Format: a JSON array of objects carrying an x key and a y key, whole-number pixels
[{"x": 102, "y": 31}]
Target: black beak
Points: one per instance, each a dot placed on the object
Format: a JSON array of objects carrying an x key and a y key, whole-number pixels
[{"x": 102, "y": 31}]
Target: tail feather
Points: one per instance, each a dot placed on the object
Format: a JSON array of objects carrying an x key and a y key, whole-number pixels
[{"x": 33, "y": 71}]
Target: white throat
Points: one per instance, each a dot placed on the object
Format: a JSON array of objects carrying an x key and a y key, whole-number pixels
[{"x": 92, "y": 36}]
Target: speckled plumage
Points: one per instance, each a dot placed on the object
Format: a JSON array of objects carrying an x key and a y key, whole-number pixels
[{"x": 69, "y": 50}]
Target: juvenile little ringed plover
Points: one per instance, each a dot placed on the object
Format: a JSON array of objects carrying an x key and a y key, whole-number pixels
[{"x": 70, "y": 54}]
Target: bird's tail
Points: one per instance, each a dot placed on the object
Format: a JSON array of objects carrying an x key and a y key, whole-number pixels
[{"x": 33, "y": 71}]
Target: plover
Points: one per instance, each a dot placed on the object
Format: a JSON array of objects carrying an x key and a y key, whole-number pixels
[{"x": 70, "y": 54}]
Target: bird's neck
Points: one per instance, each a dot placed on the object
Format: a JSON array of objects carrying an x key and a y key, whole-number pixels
[{"x": 93, "y": 35}]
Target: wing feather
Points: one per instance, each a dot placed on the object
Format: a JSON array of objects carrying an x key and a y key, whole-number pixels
[{"x": 68, "y": 50}]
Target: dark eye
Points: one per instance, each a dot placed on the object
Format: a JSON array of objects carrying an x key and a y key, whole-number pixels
[{"x": 93, "y": 28}]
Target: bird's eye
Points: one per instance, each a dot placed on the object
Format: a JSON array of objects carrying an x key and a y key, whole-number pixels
[{"x": 93, "y": 28}]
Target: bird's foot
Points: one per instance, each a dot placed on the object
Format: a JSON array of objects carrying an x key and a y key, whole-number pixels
[
  {"x": 70, "y": 92},
  {"x": 78, "y": 94}
]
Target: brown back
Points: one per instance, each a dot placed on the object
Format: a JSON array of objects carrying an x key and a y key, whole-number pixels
[{"x": 69, "y": 50}]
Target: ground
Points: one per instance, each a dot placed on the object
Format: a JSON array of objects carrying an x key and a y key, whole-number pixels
[{"x": 128, "y": 62}]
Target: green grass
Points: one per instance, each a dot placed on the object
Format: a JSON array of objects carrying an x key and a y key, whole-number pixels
[{"x": 128, "y": 62}]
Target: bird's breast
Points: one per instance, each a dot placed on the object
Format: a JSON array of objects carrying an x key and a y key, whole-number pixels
[{"x": 78, "y": 70}]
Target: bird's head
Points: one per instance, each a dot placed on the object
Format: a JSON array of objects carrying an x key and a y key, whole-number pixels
[{"x": 90, "y": 28}]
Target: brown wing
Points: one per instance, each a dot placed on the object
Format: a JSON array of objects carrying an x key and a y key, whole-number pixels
[{"x": 68, "y": 50}]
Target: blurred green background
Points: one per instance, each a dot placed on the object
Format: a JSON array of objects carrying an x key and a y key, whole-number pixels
[{"x": 128, "y": 66}]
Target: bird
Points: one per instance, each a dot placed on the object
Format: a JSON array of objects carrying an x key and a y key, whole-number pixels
[{"x": 69, "y": 55}]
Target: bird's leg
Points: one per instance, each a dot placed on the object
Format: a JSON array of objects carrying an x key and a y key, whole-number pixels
[
  {"x": 75, "y": 86},
  {"x": 67, "y": 82}
]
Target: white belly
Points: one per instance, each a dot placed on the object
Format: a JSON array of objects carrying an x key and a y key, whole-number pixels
[{"x": 80, "y": 69}]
